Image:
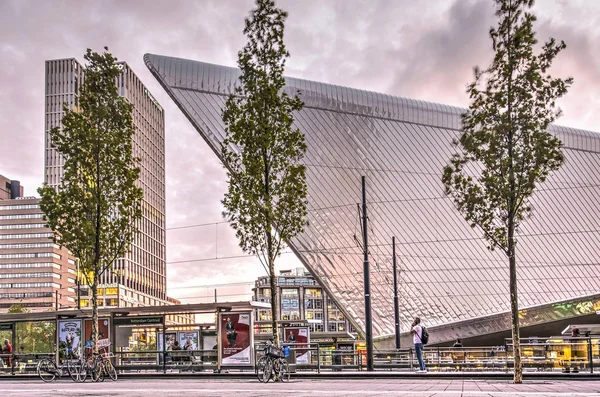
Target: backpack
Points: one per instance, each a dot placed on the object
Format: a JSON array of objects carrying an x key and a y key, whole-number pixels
[{"x": 424, "y": 335}]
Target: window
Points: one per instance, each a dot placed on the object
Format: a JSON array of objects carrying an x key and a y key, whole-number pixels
[
  {"x": 28, "y": 245},
  {"x": 23, "y": 295},
  {"x": 313, "y": 315},
  {"x": 28, "y": 255},
  {"x": 111, "y": 291},
  {"x": 21, "y": 216},
  {"x": 24, "y": 226},
  {"x": 29, "y": 285},
  {"x": 316, "y": 327},
  {"x": 29, "y": 275},
  {"x": 25, "y": 235},
  {"x": 19, "y": 207},
  {"x": 28, "y": 265},
  {"x": 112, "y": 302}
]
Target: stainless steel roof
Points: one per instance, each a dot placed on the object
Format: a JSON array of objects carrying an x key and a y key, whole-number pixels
[{"x": 446, "y": 272}]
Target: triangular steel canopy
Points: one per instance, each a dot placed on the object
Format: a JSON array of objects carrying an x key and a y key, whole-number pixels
[{"x": 446, "y": 273}]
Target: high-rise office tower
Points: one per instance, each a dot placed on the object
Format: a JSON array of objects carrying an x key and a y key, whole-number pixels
[{"x": 140, "y": 277}]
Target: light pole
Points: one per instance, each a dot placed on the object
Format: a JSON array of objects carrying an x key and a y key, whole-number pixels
[
  {"x": 366, "y": 270},
  {"x": 396, "y": 309}
]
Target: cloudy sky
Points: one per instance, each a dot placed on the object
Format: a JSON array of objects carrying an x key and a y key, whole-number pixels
[{"x": 423, "y": 49}]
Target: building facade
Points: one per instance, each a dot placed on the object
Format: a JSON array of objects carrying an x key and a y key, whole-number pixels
[
  {"x": 141, "y": 274},
  {"x": 446, "y": 274},
  {"x": 34, "y": 272},
  {"x": 301, "y": 300},
  {"x": 10, "y": 189}
]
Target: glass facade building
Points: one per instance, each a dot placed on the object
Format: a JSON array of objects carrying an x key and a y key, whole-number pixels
[
  {"x": 446, "y": 273},
  {"x": 142, "y": 272}
]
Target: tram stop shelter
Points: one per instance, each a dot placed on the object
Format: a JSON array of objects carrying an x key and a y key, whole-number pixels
[{"x": 136, "y": 338}]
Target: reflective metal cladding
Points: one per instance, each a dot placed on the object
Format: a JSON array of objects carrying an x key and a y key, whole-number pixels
[{"x": 446, "y": 273}]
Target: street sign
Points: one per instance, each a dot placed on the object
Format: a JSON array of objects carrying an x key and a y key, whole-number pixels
[{"x": 141, "y": 321}]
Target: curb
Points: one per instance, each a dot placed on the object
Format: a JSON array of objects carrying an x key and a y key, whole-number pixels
[{"x": 341, "y": 375}]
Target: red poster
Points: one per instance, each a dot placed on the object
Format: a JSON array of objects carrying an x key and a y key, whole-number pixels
[
  {"x": 299, "y": 338},
  {"x": 236, "y": 338},
  {"x": 103, "y": 332}
]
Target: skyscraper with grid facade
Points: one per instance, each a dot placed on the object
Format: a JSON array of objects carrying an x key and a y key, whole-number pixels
[
  {"x": 446, "y": 274},
  {"x": 139, "y": 277}
]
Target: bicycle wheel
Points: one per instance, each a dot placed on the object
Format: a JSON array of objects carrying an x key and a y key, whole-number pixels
[
  {"x": 102, "y": 374},
  {"x": 263, "y": 369},
  {"x": 47, "y": 370},
  {"x": 85, "y": 370},
  {"x": 110, "y": 369},
  {"x": 96, "y": 369},
  {"x": 74, "y": 369},
  {"x": 283, "y": 370}
]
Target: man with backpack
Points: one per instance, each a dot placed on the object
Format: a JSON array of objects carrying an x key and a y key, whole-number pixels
[{"x": 420, "y": 339}]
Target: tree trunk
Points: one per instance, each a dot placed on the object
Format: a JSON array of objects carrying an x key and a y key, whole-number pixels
[
  {"x": 95, "y": 314},
  {"x": 274, "y": 293},
  {"x": 97, "y": 257},
  {"x": 514, "y": 303}
]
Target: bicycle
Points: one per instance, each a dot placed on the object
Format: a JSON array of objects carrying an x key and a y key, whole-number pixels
[
  {"x": 273, "y": 365},
  {"x": 98, "y": 366},
  {"x": 47, "y": 369}
]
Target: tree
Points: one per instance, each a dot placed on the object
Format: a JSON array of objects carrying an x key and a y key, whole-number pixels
[
  {"x": 505, "y": 148},
  {"x": 266, "y": 198},
  {"x": 17, "y": 308},
  {"x": 95, "y": 210}
]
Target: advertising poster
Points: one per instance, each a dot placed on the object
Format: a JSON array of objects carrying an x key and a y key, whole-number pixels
[
  {"x": 188, "y": 340},
  {"x": 170, "y": 338},
  {"x": 103, "y": 332},
  {"x": 236, "y": 337},
  {"x": 298, "y": 337},
  {"x": 69, "y": 337}
]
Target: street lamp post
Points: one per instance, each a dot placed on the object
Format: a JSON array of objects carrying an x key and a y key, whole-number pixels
[
  {"x": 396, "y": 309},
  {"x": 367, "y": 287}
]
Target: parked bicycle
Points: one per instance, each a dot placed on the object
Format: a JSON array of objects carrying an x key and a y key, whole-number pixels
[
  {"x": 47, "y": 369},
  {"x": 273, "y": 365},
  {"x": 98, "y": 365}
]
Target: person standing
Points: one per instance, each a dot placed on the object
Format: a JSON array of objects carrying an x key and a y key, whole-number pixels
[
  {"x": 7, "y": 349},
  {"x": 417, "y": 331}
]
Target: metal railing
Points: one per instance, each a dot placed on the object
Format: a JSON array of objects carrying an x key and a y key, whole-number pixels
[
  {"x": 580, "y": 354},
  {"x": 169, "y": 361}
]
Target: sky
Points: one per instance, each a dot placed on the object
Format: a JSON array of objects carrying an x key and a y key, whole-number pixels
[{"x": 422, "y": 49}]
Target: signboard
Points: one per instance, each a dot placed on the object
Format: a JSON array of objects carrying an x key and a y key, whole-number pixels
[
  {"x": 69, "y": 336},
  {"x": 103, "y": 332},
  {"x": 298, "y": 337},
  {"x": 235, "y": 338},
  {"x": 170, "y": 338},
  {"x": 188, "y": 340},
  {"x": 140, "y": 321},
  {"x": 6, "y": 327}
]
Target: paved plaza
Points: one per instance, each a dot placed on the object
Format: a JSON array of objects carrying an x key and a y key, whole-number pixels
[{"x": 301, "y": 387}]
